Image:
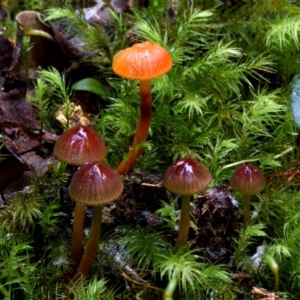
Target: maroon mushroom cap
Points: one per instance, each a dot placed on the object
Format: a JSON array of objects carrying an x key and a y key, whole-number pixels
[
  {"x": 79, "y": 145},
  {"x": 95, "y": 184},
  {"x": 248, "y": 180},
  {"x": 186, "y": 176}
]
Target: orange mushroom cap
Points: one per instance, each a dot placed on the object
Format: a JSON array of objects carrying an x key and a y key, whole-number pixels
[{"x": 142, "y": 61}]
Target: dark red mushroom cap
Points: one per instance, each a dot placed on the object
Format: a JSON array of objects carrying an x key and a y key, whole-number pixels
[
  {"x": 248, "y": 180},
  {"x": 95, "y": 184},
  {"x": 186, "y": 176},
  {"x": 79, "y": 145}
]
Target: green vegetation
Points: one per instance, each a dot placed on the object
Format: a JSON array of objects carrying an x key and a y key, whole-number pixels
[{"x": 226, "y": 103}]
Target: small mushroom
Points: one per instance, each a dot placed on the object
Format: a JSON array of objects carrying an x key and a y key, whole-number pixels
[
  {"x": 143, "y": 62},
  {"x": 247, "y": 180},
  {"x": 79, "y": 145},
  {"x": 94, "y": 184},
  {"x": 186, "y": 177}
]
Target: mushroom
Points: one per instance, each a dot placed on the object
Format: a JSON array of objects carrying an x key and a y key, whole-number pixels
[
  {"x": 186, "y": 177},
  {"x": 247, "y": 180},
  {"x": 143, "y": 62},
  {"x": 94, "y": 184},
  {"x": 78, "y": 146}
]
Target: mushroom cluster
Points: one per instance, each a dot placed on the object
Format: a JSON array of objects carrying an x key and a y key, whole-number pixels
[
  {"x": 77, "y": 146},
  {"x": 93, "y": 184}
]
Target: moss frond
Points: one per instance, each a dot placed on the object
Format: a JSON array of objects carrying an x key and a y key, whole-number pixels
[
  {"x": 283, "y": 31},
  {"x": 190, "y": 270}
]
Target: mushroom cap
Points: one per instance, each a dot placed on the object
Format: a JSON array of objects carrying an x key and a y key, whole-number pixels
[
  {"x": 79, "y": 145},
  {"x": 142, "y": 61},
  {"x": 248, "y": 180},
  {"x": 186, "y": 176},
  {"x": 95, "y": 184}
]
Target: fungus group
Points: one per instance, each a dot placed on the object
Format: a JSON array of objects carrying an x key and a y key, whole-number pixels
[
  {"x": 78, "y": 146},
  {"x": 143, "y": 62}
]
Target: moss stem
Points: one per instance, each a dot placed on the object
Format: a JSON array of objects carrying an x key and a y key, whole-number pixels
[
  {"x": 170, "y": 289},
  {"x": 184, "y": 225},
  {"x": 92, "y": 246},
  {"x": 142, "y": 129}
]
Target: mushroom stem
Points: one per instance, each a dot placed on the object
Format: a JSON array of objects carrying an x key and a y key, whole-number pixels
[
  {"x": 78, "y": 223},
  {"x": 92, "y": 246},
  {"x": 141, "y": 133},
  {"x": 184, "y": 225},
  {"x": 77, "y": 238},
  {"x": 246, "y": 211}
]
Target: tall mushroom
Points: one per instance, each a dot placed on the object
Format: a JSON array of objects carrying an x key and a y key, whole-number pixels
[
  {"x": 94, "y": 184},
  {"x": 143, "y": 62},
  {"x": 186, "y": 177},
  {"x": 78, "y": 146},
  {"x": 247, "y": 180}
]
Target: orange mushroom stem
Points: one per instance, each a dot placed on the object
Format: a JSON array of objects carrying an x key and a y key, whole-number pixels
[
  {"x": 142, "y": 129},
  {"x": 143, "y": 62}
]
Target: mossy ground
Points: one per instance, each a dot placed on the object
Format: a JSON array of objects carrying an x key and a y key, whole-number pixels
[{"x": 225, "y": 102}]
